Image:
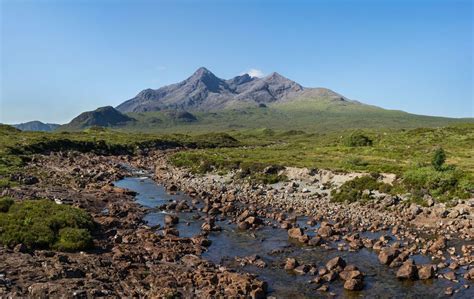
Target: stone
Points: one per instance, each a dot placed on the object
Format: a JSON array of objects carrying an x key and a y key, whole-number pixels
[
  {"x": 302, "y": 269},
  {"x": 353, "y": 284},
  {"x": 426, "y": 272},
  {"x": 295, "y": 233},
  {"x": 387, "y": 255},
  {"x": 171, "y": 219},
  {"x": 450, "y": 275},
  {"x": 439, "y": 244},
  {"x": 336, "y": 262},
  {"x": 291, "y": 263},
  {"x": 408, "y": 270}
]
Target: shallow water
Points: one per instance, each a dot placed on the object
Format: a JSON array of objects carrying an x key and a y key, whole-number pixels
[{"x": 380, "y": 280}]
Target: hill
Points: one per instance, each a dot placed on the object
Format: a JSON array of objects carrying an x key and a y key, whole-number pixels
[
  {"x": 101, "y": 117},
  {"x": 36, "y": 126}
]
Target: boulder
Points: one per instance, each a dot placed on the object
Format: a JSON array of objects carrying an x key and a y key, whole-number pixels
[
  {"x": 353, "y": 284},
  {"x": 408, "y": 270},
  {"x": 426, "y": 272},
  {"x": 335, "y": 263},
  {"x": 387, "y": 255}
]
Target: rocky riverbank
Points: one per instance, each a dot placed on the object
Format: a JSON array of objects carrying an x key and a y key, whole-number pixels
[
  {"x": 401, "y": 231},
  {"x": 129, "y": 259}
]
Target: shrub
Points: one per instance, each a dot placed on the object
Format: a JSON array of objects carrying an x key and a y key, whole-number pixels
[
  {"x": 44, "y": 224},
  {"x": 72, "y": 239},
  {"x": 353, "y": 190},
  {"x": 438, "y": 159},
  {"x": 441, "y": 184},
  {"x": 5, "y": 204},
  {"x": 358, "y": 139}
]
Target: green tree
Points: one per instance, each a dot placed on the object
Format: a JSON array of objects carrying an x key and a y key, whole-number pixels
[{"x": 439, "y": 158}]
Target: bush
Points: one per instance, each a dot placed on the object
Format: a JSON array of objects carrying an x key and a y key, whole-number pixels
[
  {"x": 43, "y": 224},
  {"x": 438, "y": 160},
  {"x": 5, "y": 204},
  {"x": 441, "y": 184},
  {"x": 72, "y": 239},
  {"x": 358, "y": 139},
  {"x": 353, "y": 190}
]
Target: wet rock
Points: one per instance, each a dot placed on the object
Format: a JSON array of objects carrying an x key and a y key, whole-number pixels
[
  {"x": 325, "y": 230},
  {"x": 291, "y": 264},
  {"x": 353, "y": 284},
  {"x": 470, "y": 274},
  {"x": 171, "y": 219},
  {"x": 302, "y": 269},
  {"x": 387, "y": 255},
  {"x": 426, "y": 272},
  {"x": 297, "y": 234},
  {"x": 336, "y": 263},
  {"x": 448, "y": 291},
  {"x": 450, "y": 275},
  {"x": 315, "y": 241},
  {"x": 408, "y": 270}
]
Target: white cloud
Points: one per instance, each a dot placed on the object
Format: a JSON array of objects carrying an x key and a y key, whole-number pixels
[{"x": 254, "y": 73}]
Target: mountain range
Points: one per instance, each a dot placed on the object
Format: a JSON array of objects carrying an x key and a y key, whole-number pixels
[
  {"x": 205, "y": 102},
  {"x": 36, "y": 125}
]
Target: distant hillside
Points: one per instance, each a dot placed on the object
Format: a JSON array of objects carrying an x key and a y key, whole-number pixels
[
  {"x": 203, "y": 102},
  {"x": 102, "y": 117},
  {"x": 36, "y": 126}
]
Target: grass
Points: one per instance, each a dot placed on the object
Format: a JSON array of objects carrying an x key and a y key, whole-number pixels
[
  {"x": 388, "y": 151},
  {"x": 43, "y": 224}
]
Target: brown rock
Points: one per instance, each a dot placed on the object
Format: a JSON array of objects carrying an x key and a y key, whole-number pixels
[
  {"x": 291, "y": 264},
  {"x": 426, "y": 272},
  {"x": 408, "y": 270},
  {"x": 336, "y": 262},
  {"x": 354, "y": 284},
  {"x": 387, "y": 255}
]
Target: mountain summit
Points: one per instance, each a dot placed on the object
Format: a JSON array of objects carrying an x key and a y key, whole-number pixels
[{"x": 204, "y": 91}]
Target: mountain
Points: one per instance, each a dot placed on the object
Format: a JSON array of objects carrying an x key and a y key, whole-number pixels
[
  {"x": 103, "y": 117},
  {"x": 36, "y": 125},
  {"x": 204, "y": 102},
  {"x": 203, "y": 91}
]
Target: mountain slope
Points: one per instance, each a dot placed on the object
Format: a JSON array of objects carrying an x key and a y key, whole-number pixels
[
  {"x": 36, "y": 126},
  {"x": 203, "y": 91},
  {"x": 103, "y": 117}
]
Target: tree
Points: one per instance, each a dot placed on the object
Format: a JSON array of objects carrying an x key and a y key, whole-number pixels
[{"x": 439, "y": 158}]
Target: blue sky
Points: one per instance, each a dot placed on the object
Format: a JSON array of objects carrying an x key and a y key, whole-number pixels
[{"x": 60, "y": 58}]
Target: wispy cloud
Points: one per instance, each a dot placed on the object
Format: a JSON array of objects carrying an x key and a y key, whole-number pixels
[{"x": 254, "y": 73}]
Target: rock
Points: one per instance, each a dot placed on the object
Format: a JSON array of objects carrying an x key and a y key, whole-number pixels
[
  {"x": 387, "y": 255},
  {"x": 408, "y": 270},
  {"x": 335, "y": 263},
  {"x": 325, "y": 231},
  {"x": 353, "y": 284},
  {"x": 291, "y": 264},
  {"x": 426, "y": 272},
  {"x": 323, "y": 288},
  {"x": 243, "y": 225},
  {"x": 350, "y": 274},
  {"x": 20, "y": 248},
  {"x": 450, "y": 275},
  {"x": 315, "y": 241},
  {"x": 439, "y": 244},
  {"x": 448, "y": 291},
  {"x": 295, "y": 233},
  {"x": 470, "y": 274},
  {"x": 302, "y": 269},
  {"x": 171, "y": 219}
]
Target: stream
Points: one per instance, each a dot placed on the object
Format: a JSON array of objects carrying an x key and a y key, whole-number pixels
[{"x": 273, "y": 247}]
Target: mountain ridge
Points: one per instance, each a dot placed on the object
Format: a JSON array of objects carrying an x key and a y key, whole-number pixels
[
  {"x": 204, "y": 91},
  {"x": 36, "y": 125}
]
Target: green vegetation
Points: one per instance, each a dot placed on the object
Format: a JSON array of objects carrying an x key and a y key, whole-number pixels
[
  {"x": 358, "y": 139},
  {"x": 45, "y": 224},
  {"x": 353, "y": 190},
  {"x": 5, "y": 204},
  {"x": 321, "y": 114},
  {"x": 438, "y": 160}
]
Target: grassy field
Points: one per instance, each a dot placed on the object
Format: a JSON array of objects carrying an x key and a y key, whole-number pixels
[{"x": 322, "y": 115}]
